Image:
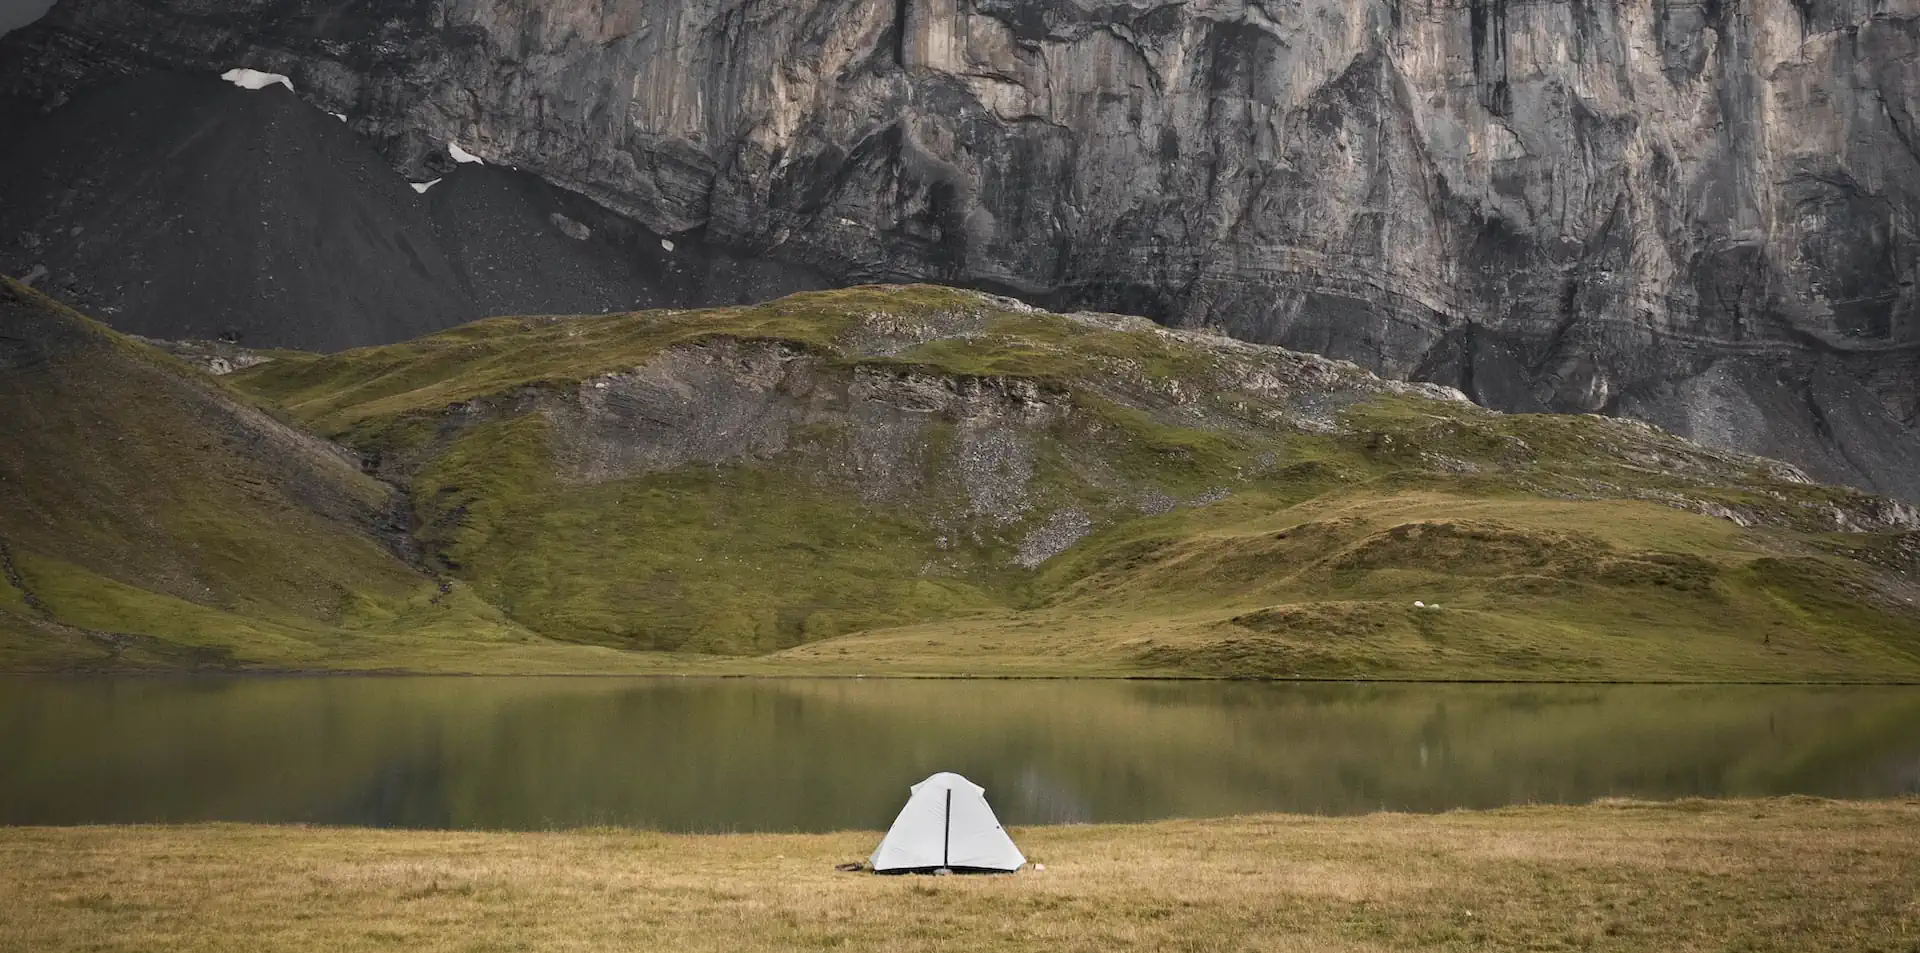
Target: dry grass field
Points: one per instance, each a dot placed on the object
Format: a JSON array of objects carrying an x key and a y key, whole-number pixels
[{"x": 1794, "y": 874}]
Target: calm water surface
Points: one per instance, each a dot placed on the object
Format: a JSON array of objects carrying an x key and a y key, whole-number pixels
[{"x": 777, "y": 755}]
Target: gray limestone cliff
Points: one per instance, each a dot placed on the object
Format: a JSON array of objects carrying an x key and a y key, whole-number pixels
[{"x": 1703, "y": 214}]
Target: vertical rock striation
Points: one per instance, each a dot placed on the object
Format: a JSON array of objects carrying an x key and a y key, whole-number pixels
[{"x": 1705, "y": 214}]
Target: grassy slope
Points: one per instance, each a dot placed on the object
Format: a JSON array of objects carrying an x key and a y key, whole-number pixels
[
  {"x": 1526, "y": 589},
  {"x": 1298, "y": 516},
  {"x": 1795, "y": 874},
  {"x": 150, "y": 518},
  {"x": 736, "y": 559},
  {"x": 733, "y": 561},
  {"x": 1557, "y": 547}
]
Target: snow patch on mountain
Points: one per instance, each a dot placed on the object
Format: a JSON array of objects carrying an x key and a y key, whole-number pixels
[
  {"x": 462, "y": 155},
  {"x": 255, "y": 79}
]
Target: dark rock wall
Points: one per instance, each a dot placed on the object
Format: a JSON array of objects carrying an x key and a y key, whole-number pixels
[
  {"x": 1705, "y": 214},
  {"x": 179, "y": 206}
]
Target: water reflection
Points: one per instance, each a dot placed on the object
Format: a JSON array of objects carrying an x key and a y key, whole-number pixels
[{"x": 691, "y": 754}]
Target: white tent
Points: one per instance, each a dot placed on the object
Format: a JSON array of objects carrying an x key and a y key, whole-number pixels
[{"x": 946, "y": 824}]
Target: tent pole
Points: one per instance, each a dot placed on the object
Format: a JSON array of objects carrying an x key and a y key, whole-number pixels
[{"x": 946, "y": 836}]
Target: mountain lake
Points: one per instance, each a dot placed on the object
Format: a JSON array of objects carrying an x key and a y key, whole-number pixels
[{"x": 708, "y": 755}]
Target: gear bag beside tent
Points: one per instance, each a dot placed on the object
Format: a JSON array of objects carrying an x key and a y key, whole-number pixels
[{"x": 946, "y": 825}]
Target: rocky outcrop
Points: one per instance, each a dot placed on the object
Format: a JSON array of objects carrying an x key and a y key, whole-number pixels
[
  {"x": 1702, "y": 214},
  {"x": 870, "y": 417}
]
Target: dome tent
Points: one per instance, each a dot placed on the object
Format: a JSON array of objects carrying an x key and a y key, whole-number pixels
[{"x": 946, "y": 825}]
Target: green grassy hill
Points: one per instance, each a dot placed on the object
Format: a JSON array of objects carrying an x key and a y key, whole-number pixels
[
  {"x": 151, "y": 518},
  {"x": 923, "y": 480}
]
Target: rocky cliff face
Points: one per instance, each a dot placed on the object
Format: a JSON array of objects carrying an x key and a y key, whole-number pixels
[
  {"x": 1703, "y": 214},
  {"x": 179, "y": 206}
]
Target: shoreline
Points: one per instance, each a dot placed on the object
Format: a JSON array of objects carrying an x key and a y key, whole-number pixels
[
  {"x": 290, "y": 674},
  {"x": 1681, "y": 804},
  {"x": 941, "y": 677}
]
